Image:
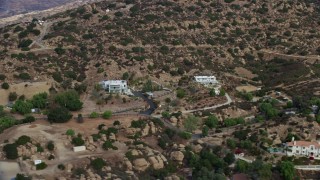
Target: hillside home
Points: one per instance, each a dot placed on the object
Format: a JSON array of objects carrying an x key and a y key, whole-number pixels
[
  {"x": 206, "y": 80},
  {"x": 116, "y": 86},
  {"x": 303, "y": 148},
  {"x": 209, "y": 81}
]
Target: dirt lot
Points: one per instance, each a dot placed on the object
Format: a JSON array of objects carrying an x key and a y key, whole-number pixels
[
  {"x": 28, "y": 89},
  {"x": 8, "y": 170},
  {"x": 116, "y": 104},
  {"x": 245, "y": 73},
  {"x": 248, "y": 88}
]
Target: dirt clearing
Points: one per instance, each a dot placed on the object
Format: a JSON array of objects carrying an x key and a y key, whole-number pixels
[
  {"x": 248, "y": 88},
  {"x": 243, "y": 72},
  {"x": 9, "y": 170}
]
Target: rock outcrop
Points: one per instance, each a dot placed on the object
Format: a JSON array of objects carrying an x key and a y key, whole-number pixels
[
  {"x": 177, "y": 156},
  {"x": 140, "y": 164}
]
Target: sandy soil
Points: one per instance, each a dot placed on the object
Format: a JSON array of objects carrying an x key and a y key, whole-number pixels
[
  {"x": 245, "y": 73},
  {"x": 21, "y": 89},
  {"x": 248, "y": 88},
  {"x": 8, "y": 170}
]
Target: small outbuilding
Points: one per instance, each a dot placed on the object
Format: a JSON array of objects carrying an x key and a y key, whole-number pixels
[{"x": 79, "y": 148}]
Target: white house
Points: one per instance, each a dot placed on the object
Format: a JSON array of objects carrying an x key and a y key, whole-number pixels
[
  {"x": 303, "y": 148},
  {"x": 116, "y": 86},
  {"x": 206, "y": 80},
  {"x": 209, "y": 81}
]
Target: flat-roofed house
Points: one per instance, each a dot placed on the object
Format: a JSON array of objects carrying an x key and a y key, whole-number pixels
[
  {"x": 209, "y": 81},
  {"x": 115, "y": 86},
  {"x": 206, "y": 80}
]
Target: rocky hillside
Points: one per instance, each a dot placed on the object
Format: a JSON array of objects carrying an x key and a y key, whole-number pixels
[{"x": 167, "y": 40}]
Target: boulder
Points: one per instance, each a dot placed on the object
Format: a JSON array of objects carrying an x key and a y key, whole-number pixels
[
  {"x": 177, "y": 156},
  {"x": 90, "y": 140},
  {"x": 181, "y": 147},
  {"x": 112, "y": 137},
  {"x": 128, "y": 165},
  {"x": 140, "y": 164},
  {"x": 174, "y": 120},
  {"x": 145, "y": 130},
  {"x": 156, "y": 162},
  {"x": 69, "y": 168},
  {"x": 135, "y": 152},
  {"x": 172, "y": 177},
  {"x": 131, "y": 131},
  {"x": 153, "y": 128},
  {"x": 197, "y": 148},
  {"x": 108, "y": 168},
  {"x": 104, "y": 137},
  {"x": 164, "y": 159},
  {"x": 130, "y": 173},
  {"x": 199, "y": 141}
]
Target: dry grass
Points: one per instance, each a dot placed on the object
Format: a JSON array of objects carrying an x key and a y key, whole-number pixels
[
  {"x": 243, "y": 72},
  {"x": 27, "y": 89},
  {"x": 248, "y": 88}
]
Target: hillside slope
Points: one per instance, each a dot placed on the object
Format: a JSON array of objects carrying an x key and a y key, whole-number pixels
[{"x": 168, "y": 40}]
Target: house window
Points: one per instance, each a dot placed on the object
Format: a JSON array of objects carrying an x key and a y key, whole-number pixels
[{"x": 297, "y": 151}]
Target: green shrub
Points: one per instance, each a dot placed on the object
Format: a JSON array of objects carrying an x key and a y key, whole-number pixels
[
  {"x": 61, "y": 167},
  {"x": 40, "y": 100},
  {"x": 96, "y": 137},
  {"x": 107, "y": 115},
  {"x": 181, "y": 93},
  {"x": 51, "y": 157},
  {"x": 6, "y": 122},
  {"x": 24, "y": 76},
  {"x": 22, "y": 177},
  {"x": 41, "y": 166},
  {"x": 5, "y": 85},
  {"x": 94, "y": 115},
  {"x": 98, "y": 163},
  {"x": 138, "y": 124},
  {"x": 69, "y": 99},
  {"x": 23, "y": 107},
  {"x": 70, "y": 132},
  {"x": 2, "y": 77},
  {"x": 165, "y": 114},
  {"x": 13, "y": 96},
  {"x": 11, "y": 151},
  {"x": 29, "y": 119},
  {"x": 57, "y": 77},
  {"x": 212, "y": 121},
  {"x": 39, "y": 148},
  {"x": 50, "y": 146},
  {"x": 25, "y": 43},
  {"x": 185, "y": 135},
  {"x": 116, "y": 123},
  {"x": 22, "y": 140},
  {"x": 108, "y": 145},
  {"x": 78, "y": 141},
  {"x": 59, "y": 115}
]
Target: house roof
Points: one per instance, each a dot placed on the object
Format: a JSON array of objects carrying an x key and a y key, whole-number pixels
[
  {"x": 114, "y": 82},
  {"x": 200, "y": 77},
  {"x": 303, "y": 144}
]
